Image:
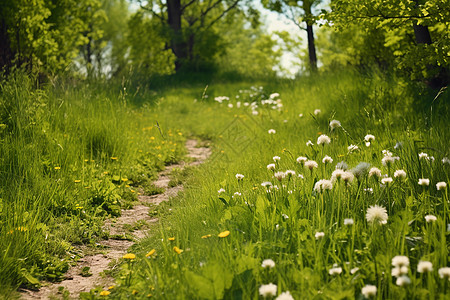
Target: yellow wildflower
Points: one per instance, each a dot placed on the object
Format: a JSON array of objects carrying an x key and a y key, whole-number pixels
[
  {"x": 77, "y": 181},
  {"x": 171, "y": 239},
  {"x": 105, "y": 293},
  {"x": 177, "y": 250},
  {"x": 114, "y": 158},
  {"x": 150, "y": 253},
  {"x": 224, "y": 234},
  {"x": 111, "y": 287},
  {"x": 57, "y": 168},
  {"x": 129, "y": 256},
  {"x": 134, "y": 292},
  {"x": 206, "y": 236}
]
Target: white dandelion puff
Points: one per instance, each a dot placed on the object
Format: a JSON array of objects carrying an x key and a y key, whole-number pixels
[{"x": 376, "y": 214}]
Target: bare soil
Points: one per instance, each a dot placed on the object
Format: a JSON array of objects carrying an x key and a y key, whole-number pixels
[{"x": 114, "y": 249}]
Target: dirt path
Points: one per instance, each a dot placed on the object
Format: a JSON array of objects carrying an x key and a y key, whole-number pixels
[{"x": 114, "y": 249}]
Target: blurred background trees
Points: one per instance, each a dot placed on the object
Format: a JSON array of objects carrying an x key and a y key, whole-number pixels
[{"x": 115, "y": 38}]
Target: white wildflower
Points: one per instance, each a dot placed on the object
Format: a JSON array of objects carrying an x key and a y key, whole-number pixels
[
  {"x": 354, "y": 270},
  {"x": 272, "y": 131},
  {"x": 399, "y": 271},
  {"x": 290, "y": 173},
  {"x": 446, "y": 160},
  {"x": 423, "y": 155},
  {"x": 309, "y": 143},
  {"x": 317, "y": 111},
  {"x": 322, "y": 185},
  {"x": 300, "y": 115},
  {"x": 271, "y": 167},
  {"x": 239, "y": 176},
  {"x": 276, "y": 158},
  {"x": 266, "y": 184},
  {"x": 220, "y": 191}
]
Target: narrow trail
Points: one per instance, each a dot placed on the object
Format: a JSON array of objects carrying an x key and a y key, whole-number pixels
[{"x": 114, "y": 249}]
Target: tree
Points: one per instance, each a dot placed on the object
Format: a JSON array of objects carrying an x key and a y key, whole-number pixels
[
  {"x": 188, "y": 22},
  {"x": 42, "y": 35},
  {"x": 299, "y": 12},
  {"x": 416, "y": 31}
]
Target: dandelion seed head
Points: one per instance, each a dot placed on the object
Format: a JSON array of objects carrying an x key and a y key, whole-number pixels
[
  {"x": 348, "y": 222},
  {"x": 268, "y": 263},
  {"x": 301, "y": 159},
  {"x": 387, "y": 180},
  {"x": 335, "y": 124},
  {"x": 400, "y": 174},
  {"x": 400, "y": 261},
  {"x": 444, "y": 273},
  {"x": 276, "y": 158},
  {"x": 369, "y": 291},
  {"x": 279, "y": 175},
  {"x": 361, "y": 170},
  {"x": 268, "y": 290},
  {"x": 322, "y": 185},
  {"x": 376, "y": 214},
  {"x": 424, "y": 181},
  {"x": 375, "y": 172},
  {"x": 430, "y": 218},
  {"x": 311, "y": 164},
  {"x": 424, "y": 266},
  {"x": 403, "y": 281},
  {"x": 347, "y": 177},
  {"x": 271, "y": 167},
  {"x": 341, "y": 166},
  {"x": 323, "y": 139},
  {"x": 266, "y": 184},
  {"x": 441, "y": 186},
  {"x": 336, "y": 175},
  {"x": 335, "y": 271},
  {"x": 319, "y": 235},
  {"x": 327, "y": 160},
  {"x": 369, "y": 138},
  {"x": 285, "y": 296}
]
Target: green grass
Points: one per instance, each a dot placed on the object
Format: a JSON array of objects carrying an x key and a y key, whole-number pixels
[
  {"x": 70, "y": 157},
  {"x": 73, "y": 155},
  {"x": 282, "y": 224}
]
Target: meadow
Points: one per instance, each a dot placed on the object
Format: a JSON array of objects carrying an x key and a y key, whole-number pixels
[
  {"x": 328, "y": 187},
  {"x": 331, "y": 186}
]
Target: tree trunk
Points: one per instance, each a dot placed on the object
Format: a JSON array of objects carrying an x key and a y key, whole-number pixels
[
  {"x": 6, "y": 55},
  {"x": 178, "y": 45},
  {"x": 311, "y": 48}
]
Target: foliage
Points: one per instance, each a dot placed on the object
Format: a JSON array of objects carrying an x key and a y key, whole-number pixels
[{"x": 393, "y": 21}]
